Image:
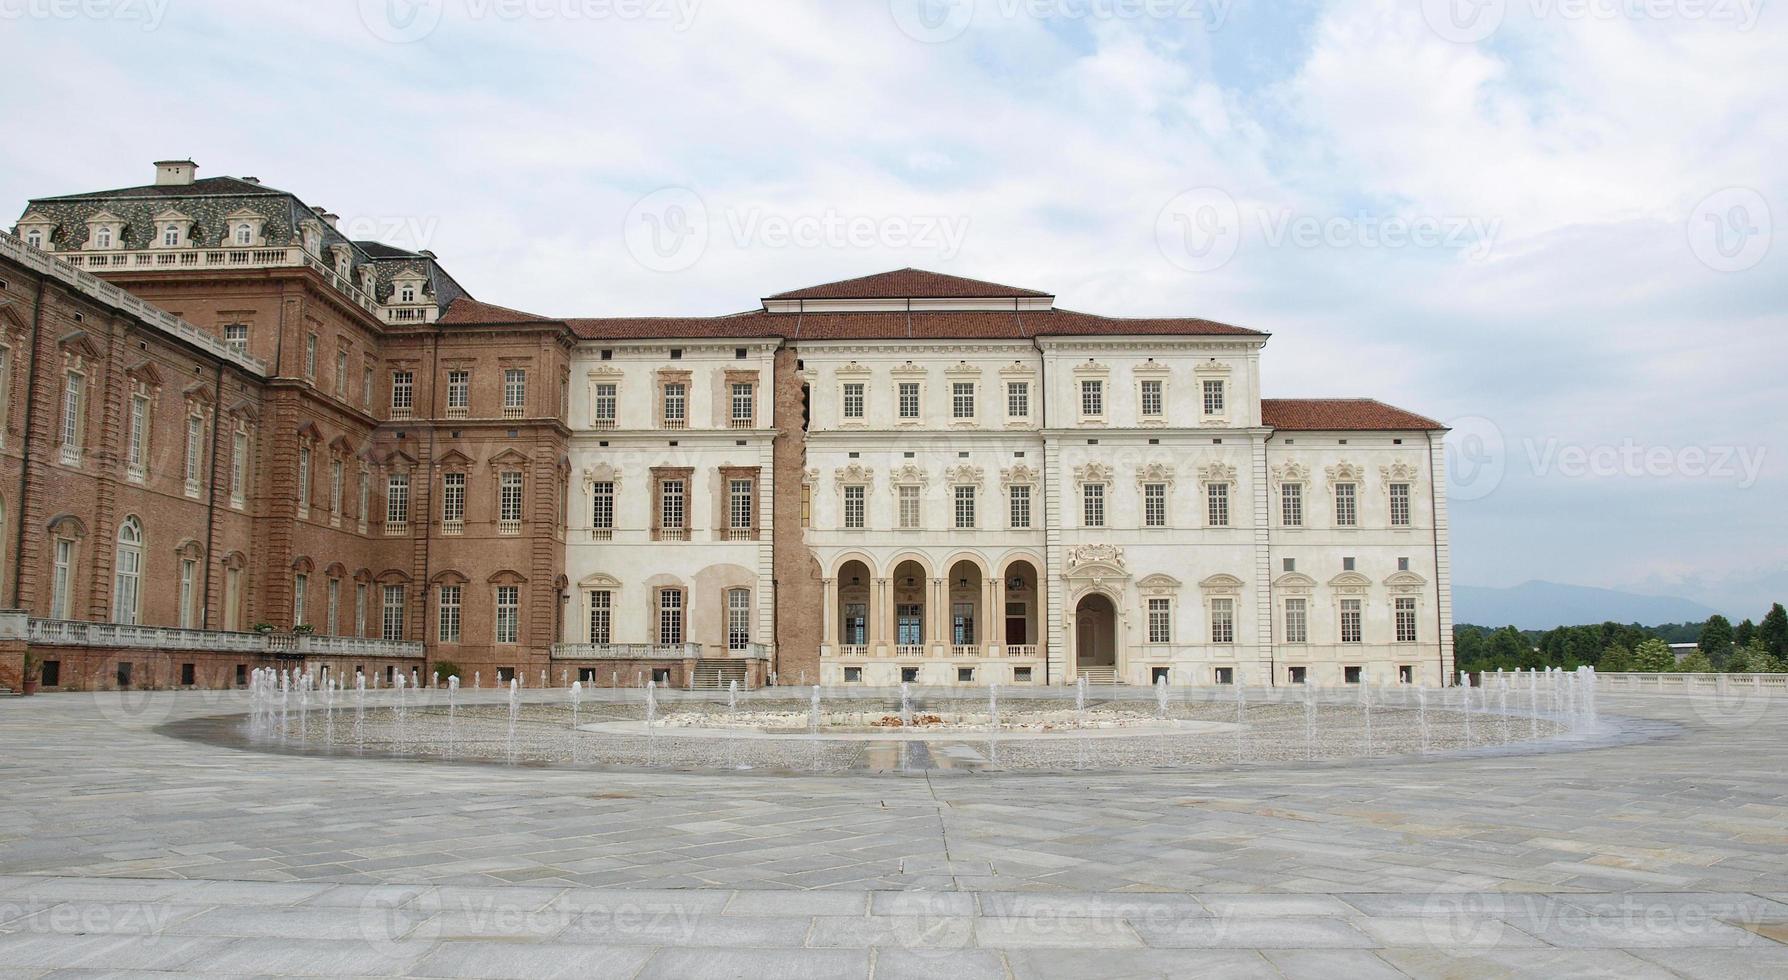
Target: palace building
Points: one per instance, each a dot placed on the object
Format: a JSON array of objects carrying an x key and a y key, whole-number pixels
[{"x": 232, "y": 436}]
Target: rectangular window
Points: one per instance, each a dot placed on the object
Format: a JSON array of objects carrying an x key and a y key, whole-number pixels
[
  {"x": 676, "y": 405},
  {"x": 1160, "y": 621},
  {"x": 853, "y": 400},
  {"x": 341, "y": 374},
  {"x": 1222, "y": 620},
  {"x": 74, "y": 397},
  {"x": 1020, "y": 496},
  {"x": 453, "y": 502},
  {"x": 600, "y": 606},
  {"x": 310, "y": 356},
  {"x": 909, "y": 624},
  {"x": 195, "y": 453},
  {"x": 509, "y": 498},
  {"x": 853, "y": 506},
  {"x": 739, "y": 499},
  {"x": 139, "y": 436},
  {"x": 300, "y": 594},
  {"x": 856, "y": 624},
  {"x": 909, "y": 399},
  {"x": 365, "y": 499},
  {"x": 744, "y": 404},
  {"x": 515, "y": 392},
  {"x": 61, "y": 584},
  {"x": 239, "y": 468},
  {"x": 1297, "y": 621},
  {"x": 1092, "y": 505},
  {"x": 909, "y": 507},
  {"x": 508, "y": 613},
  {"x": 1217, "y": 497},
  {"x": 403, "y": 393},
  {"x": 366, "y": 386},
  {"x": 1018, "y": 399},
  {"x": 189, "y": 571},
  {"x": 962, "y": 400},
  {"x": 1092, "y": 398},
  {"x": 359, "y": 608},
  {"x": 671, "y": 512},
  {"x": 965, "y": 507},
  {"x": 1154, "y": 504},
  {"x": 1151, "y": 398},
  {"x": 459, "y": 391},
  {"x": 1291, "y": 504},
  {"x": 1347, "y": 512},
  {"x": 392, "y": 614},
  {"x": 449, "y": 614},
  {"x": 335, "y": 491},
  {"x": 303, "y": 480},
  {"x": 602, "y": 505},
  {"x": 1399, "y": 505},
  {"x": 962, "y": 624},
  {"x": 603, "y": 407},
  {"x": 1406, "y": 619},
  {"x": 738, "y": 619},
  {"x": 397, "y": 499},
  {"x": 670, "y": 617},
  {"x": 236, "y": 337},
  {"x": 1350, "y": 621},
  {"x": 332, "y": 606},
  {"x": 1213, "y": 398}
]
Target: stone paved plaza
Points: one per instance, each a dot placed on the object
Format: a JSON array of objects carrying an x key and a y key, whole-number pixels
[{"x": 125, "y": 849}]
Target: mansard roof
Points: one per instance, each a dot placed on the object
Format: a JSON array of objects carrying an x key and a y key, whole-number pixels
[
  {"x": 1341, "y": 415},
  {"x": 908, "y": 284}
]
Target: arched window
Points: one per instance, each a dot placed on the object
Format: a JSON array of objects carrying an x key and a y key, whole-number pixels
[
  {"x": 244, "y": 234},
  {"x": 170, "y": 235},
  {"x": 126, "y": 597},
  {"x": 103, "y": 238}
]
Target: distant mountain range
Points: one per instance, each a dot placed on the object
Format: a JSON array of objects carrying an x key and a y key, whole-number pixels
[{"x": 1544, "y": 605}]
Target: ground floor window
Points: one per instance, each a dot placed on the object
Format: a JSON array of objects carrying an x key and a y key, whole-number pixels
[
  {"x": 909, "y": 675},
  {"x": 51, "y": 673},
  {"x": 1405, "y": 674},
  {"x": 188, "y": 675},
  {"x": 962, "y": 624},
  {"x": 1296, "y": 675},
  {"x": 670, "y": 617},
  {"x": 1225, "y": 675},
  {"x": 1351, "y": 675},
  {"x": 1021, "y": 675},
  {"x": 1159, "y": 675},
  {"x": 853, "y": 675},
  {"x": 909, "y": 623},
  {"x": 856, "y": 624}
]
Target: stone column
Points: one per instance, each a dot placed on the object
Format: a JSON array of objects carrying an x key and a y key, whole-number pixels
[
  {"x": 990, "y": 631},
  {"x": 881, "y": 611},
  {"x": 828, "y": 612},
  {"x": 940, "y": 603}
]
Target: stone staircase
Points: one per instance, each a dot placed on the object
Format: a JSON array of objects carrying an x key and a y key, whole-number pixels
[
  {"x": 716, "y": 675},
  {"x": 1096, "y": 676}
]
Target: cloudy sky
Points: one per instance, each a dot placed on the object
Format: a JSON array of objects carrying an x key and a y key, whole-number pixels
[{"x": 1547, "y": 222}]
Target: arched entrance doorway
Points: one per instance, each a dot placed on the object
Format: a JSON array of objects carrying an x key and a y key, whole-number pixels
[{"x": 1095, "y": 632}]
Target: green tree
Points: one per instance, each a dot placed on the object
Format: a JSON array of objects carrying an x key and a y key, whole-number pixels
[
  {"x": 1744, "y": 634},
  {"x": 1774, "y": 631},
  {"x": 1696, "y": 663},
  {"x": 1616, "y": 659},
  {"x": 1754, "y": 658},
  {"x": 1653, "y": 656},
  {"x": 1716, "y": 636},
  {"x": 1509, "y": 649}
]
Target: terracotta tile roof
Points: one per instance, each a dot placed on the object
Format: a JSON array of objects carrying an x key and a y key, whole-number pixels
[
  {"x": 908, "y": 284},
  {"x": 472, "y": 311},
  {"x": 1340, "y": 415},
  {"x": 1062, "y": 323},
  {"x": 754, "y": 323}
]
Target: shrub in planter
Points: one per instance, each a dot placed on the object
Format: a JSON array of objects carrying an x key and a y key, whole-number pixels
[
  {"x": 443, "y": 669},
  {"x": 31, "y": 675}
]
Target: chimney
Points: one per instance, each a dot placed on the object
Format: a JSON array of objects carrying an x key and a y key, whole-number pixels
[
  {"x": 175, "y": 173},
  {"x": 323, "y": 213},
  {"x": 251, "y": 180}
]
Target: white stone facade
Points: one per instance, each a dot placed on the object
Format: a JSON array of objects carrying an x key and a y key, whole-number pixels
[{"x": 989, "y": 508}]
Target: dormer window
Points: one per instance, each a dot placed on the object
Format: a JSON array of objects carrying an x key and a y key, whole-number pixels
[
  {"x": 103, "y": 238},
  {"x": 34, "y": 238},
  {"x": 407, "y": 293},
  {"x": 170, "y": 235},
  {"x": 245, "y": 234}
]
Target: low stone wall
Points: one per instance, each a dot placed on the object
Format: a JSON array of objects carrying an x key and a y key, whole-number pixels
[{"x": 84, "y": 668}]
